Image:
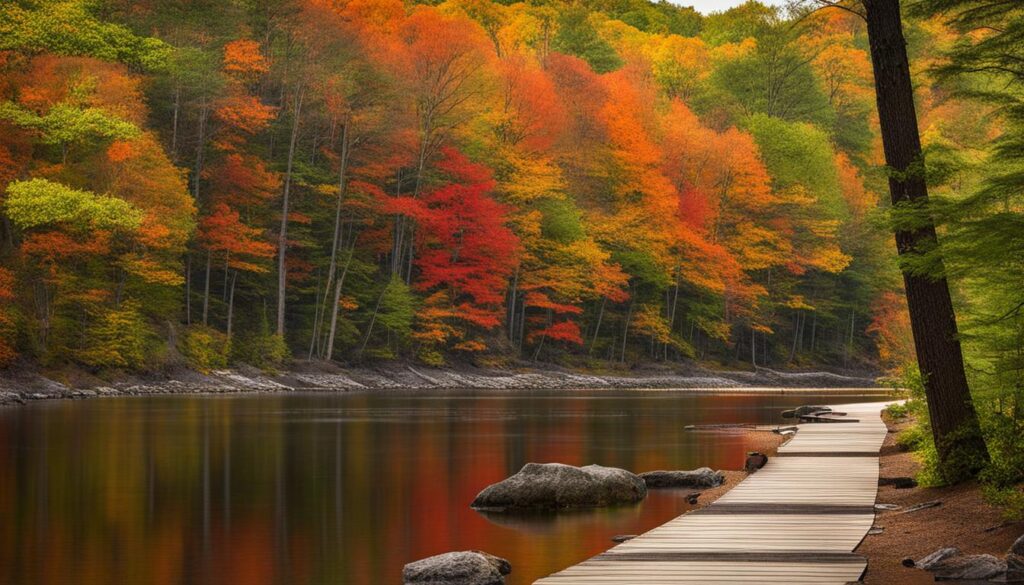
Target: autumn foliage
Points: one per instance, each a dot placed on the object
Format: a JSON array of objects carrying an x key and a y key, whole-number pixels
[{"x": 435, "y": 181}]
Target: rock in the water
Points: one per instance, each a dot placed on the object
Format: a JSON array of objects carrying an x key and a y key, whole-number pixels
[
  {"x": 540, "y": 486},
  {"x": 457, "y": 568},
  {"x": 705, "y": 477}
]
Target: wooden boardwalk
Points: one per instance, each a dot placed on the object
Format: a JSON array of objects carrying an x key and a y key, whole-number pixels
[{"x": 797, "y": 520}]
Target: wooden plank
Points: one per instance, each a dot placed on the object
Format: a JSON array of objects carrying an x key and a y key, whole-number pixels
[
  {"x": 797, "y": 520},
  {"x": 798, "y": 556},
  {"x": 773, "y": 508},
  {"x": 826, "y": 454}
]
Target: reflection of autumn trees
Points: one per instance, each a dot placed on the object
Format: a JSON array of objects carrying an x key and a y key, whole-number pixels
[{"x": 319, "y": 489}]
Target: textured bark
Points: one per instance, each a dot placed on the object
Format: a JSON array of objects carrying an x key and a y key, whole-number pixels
[{"x": 954, "y": 421}]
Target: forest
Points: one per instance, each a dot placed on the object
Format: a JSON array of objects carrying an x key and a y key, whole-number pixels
[
  {"x": 591, "y": 184},
  {"x": 588, "y": 183}
]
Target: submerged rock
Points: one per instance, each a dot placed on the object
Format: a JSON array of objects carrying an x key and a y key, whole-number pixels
[
  {"x": 552, "y": 486},
  {"x": 705, "y": 477},
  {"x": 457, "y": 568}
]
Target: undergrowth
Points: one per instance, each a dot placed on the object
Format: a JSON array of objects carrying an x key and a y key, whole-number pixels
[{"x": 1001, "y": 479}]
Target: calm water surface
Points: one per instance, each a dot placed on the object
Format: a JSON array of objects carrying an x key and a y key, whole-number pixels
[{"x": 329, "y": 489}]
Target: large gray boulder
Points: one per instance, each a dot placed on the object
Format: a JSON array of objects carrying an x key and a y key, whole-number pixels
[
  {"x": 1014, "y": 569},
  {"x": 969, "y": 568},
  {"x": 1017, "y": 548},
  {"x": 705, "y": 477},
  {"x": 1015, "y": 562},
  {"x": 948, "y": 564},
  {"x": 457, "y": 568},
  {"x": 553, "y": 486}
]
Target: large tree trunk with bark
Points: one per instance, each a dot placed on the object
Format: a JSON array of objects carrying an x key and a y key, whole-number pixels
[{"x": 954, "y": 422}]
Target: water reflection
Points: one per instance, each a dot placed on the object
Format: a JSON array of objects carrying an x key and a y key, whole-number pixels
[{"x": 327, "y": 489}]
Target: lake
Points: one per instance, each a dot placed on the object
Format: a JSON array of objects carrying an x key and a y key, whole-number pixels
[{"x": 331, "y": 488}]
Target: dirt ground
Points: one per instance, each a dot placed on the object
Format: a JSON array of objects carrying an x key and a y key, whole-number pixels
[{"x": 964, "y": 520}]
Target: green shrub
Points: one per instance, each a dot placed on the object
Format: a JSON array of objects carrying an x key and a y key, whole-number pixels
[
  {"x": 263, "y": 350},
  {"x": 1010, "y": 499},
  {"x": 918, "y": 437},
  {"x": 897, "y": 410},
  {"x": 205, "y": 348},
  {"x": 115, "y": 338},
  {"x": 431, "y": 357},
  {"x": 912, "y": 438}
]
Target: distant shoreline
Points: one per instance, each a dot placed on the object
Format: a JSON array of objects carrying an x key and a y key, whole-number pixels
[{"x": 21, "y": 386}]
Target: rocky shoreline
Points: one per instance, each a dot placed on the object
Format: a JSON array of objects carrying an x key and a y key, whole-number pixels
[{"x": 19, "y": 385}]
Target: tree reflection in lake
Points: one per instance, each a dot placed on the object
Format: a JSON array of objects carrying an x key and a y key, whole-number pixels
[{"x": 328, "y": 488}]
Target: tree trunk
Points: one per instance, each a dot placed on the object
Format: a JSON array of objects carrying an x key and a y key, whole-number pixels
[
  {"x": 511, "y": 318},
  {"x": 373, "y": 319},
  {"x": 597, "y": 328},
  {"x": 231, "y": 302},
  {"x": 954, "y": 422},
  {"x": 334, "y": 309},
  {"x": 336, "y": 241},
  {"x": 206, "y": 291},
  {"x": 200, "y": 152},
  {"x": 282, "y": 240},
  {"x": 814, "y": 331},
  {"x": 674, "y": 308},
  {"x": 174, "y": 123},
  {"x": 188, "y": 288},
  {"x": 796, "y": 330},
  {"x": 625, "y": 330},
  {"x": 753, "y": 347},
  {"x": 316, "y": 316}
]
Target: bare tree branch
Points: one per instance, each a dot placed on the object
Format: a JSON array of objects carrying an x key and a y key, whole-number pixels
[{"x": 795, "y": 5}]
